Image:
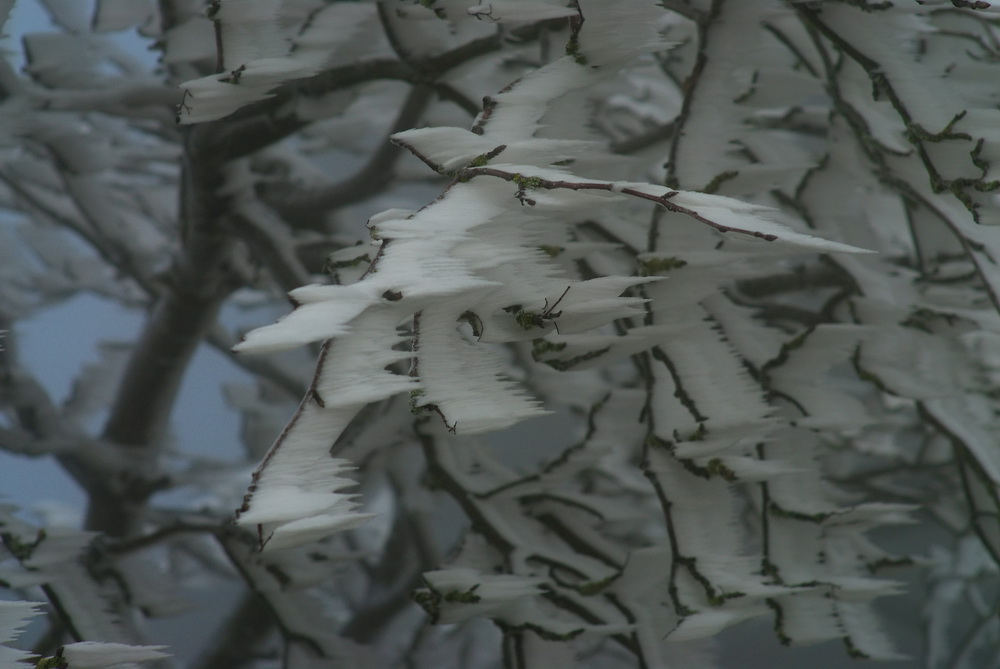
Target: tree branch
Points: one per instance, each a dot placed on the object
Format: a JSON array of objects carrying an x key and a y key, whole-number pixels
[
  {"x": 529, "y": 182},
  {"x": 200, "y": 279},
  {"x": 262, "y": 124},
  {"x": 304, "y": 208}
]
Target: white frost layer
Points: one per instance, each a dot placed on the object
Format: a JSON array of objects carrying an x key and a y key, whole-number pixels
[
  {"x": 446, "y": 147},
  {"x": 587, "y": 305},
  {"x": 504, "y": 596},
  {"x": 296, "y": 495},
  {"x": 465, "y": 380},
  {"x": 14, "y": 617},
  {"x": 295, "y": 498},
  {"x": 96, "y": 654},
  {"x": 615, "y": 32},
  {"x": 250, "y": 31},
  {"x": 515, "y": 113},
  {"x": 307, "y": 530},
  {"x": 353, "y": 370},
  {"x": 330, "y": 29},
  {"x": 298, "y": 473},
  {"x": 323, "y": 312},
  {"x": 504, "y": 11},
  {"x": 743, "y": 218},
  {"x": 451, "y": 148},
  {"x": 705, "y": 624},
  {"x": 219, "y": 95}
]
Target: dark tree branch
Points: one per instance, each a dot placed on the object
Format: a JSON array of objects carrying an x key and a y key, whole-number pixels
[
  {"x": 238, "y": 642},
  {"x": 200, "y": 279},
  {"x": 304, "y": 209},
  {"x": 269, "y": 121},
  {"x": 272, "y": 243},
  {"x": 704, "y": 22},
  {"x": 526, "y": 183}
]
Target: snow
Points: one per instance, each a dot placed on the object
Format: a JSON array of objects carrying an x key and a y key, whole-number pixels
[
  {"x": 618, "y": 32},
  {"x": 96, "y": 654},
  {"x": 354, "y": 368},
  {"x": 513, "y": 11},
  {"x": 296, "y": 488},
  {"x": 514, "y": 113},
  {"x": 323, "y": 312},
  {"x": 466, "y": 381},
  {"x": 448, "y": 148},
  {"x": 219, "y": 95},
  {"x": 251, "y": 30},
  {"x": 14, "y": 617}
]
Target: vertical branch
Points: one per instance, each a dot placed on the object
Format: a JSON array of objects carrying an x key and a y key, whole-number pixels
[
  {"x": 213, "y": 10},
  {"x": 199, "y": 281},
  {"x": 691, "y": 88}
]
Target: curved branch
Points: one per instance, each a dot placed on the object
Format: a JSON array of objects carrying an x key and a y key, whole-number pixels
[
  {"x": 200, "y": 279},
  {"x": 304, "y": 208},
  {"x": 259, "y": 125}
]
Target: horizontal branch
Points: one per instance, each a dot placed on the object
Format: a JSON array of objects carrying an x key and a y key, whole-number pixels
[
  {"x": 526, "y": 183},
  {"x": 259, "y": 125},
  {"x": 138, "y": 100},
  {"x": 159, "y": 535}
]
